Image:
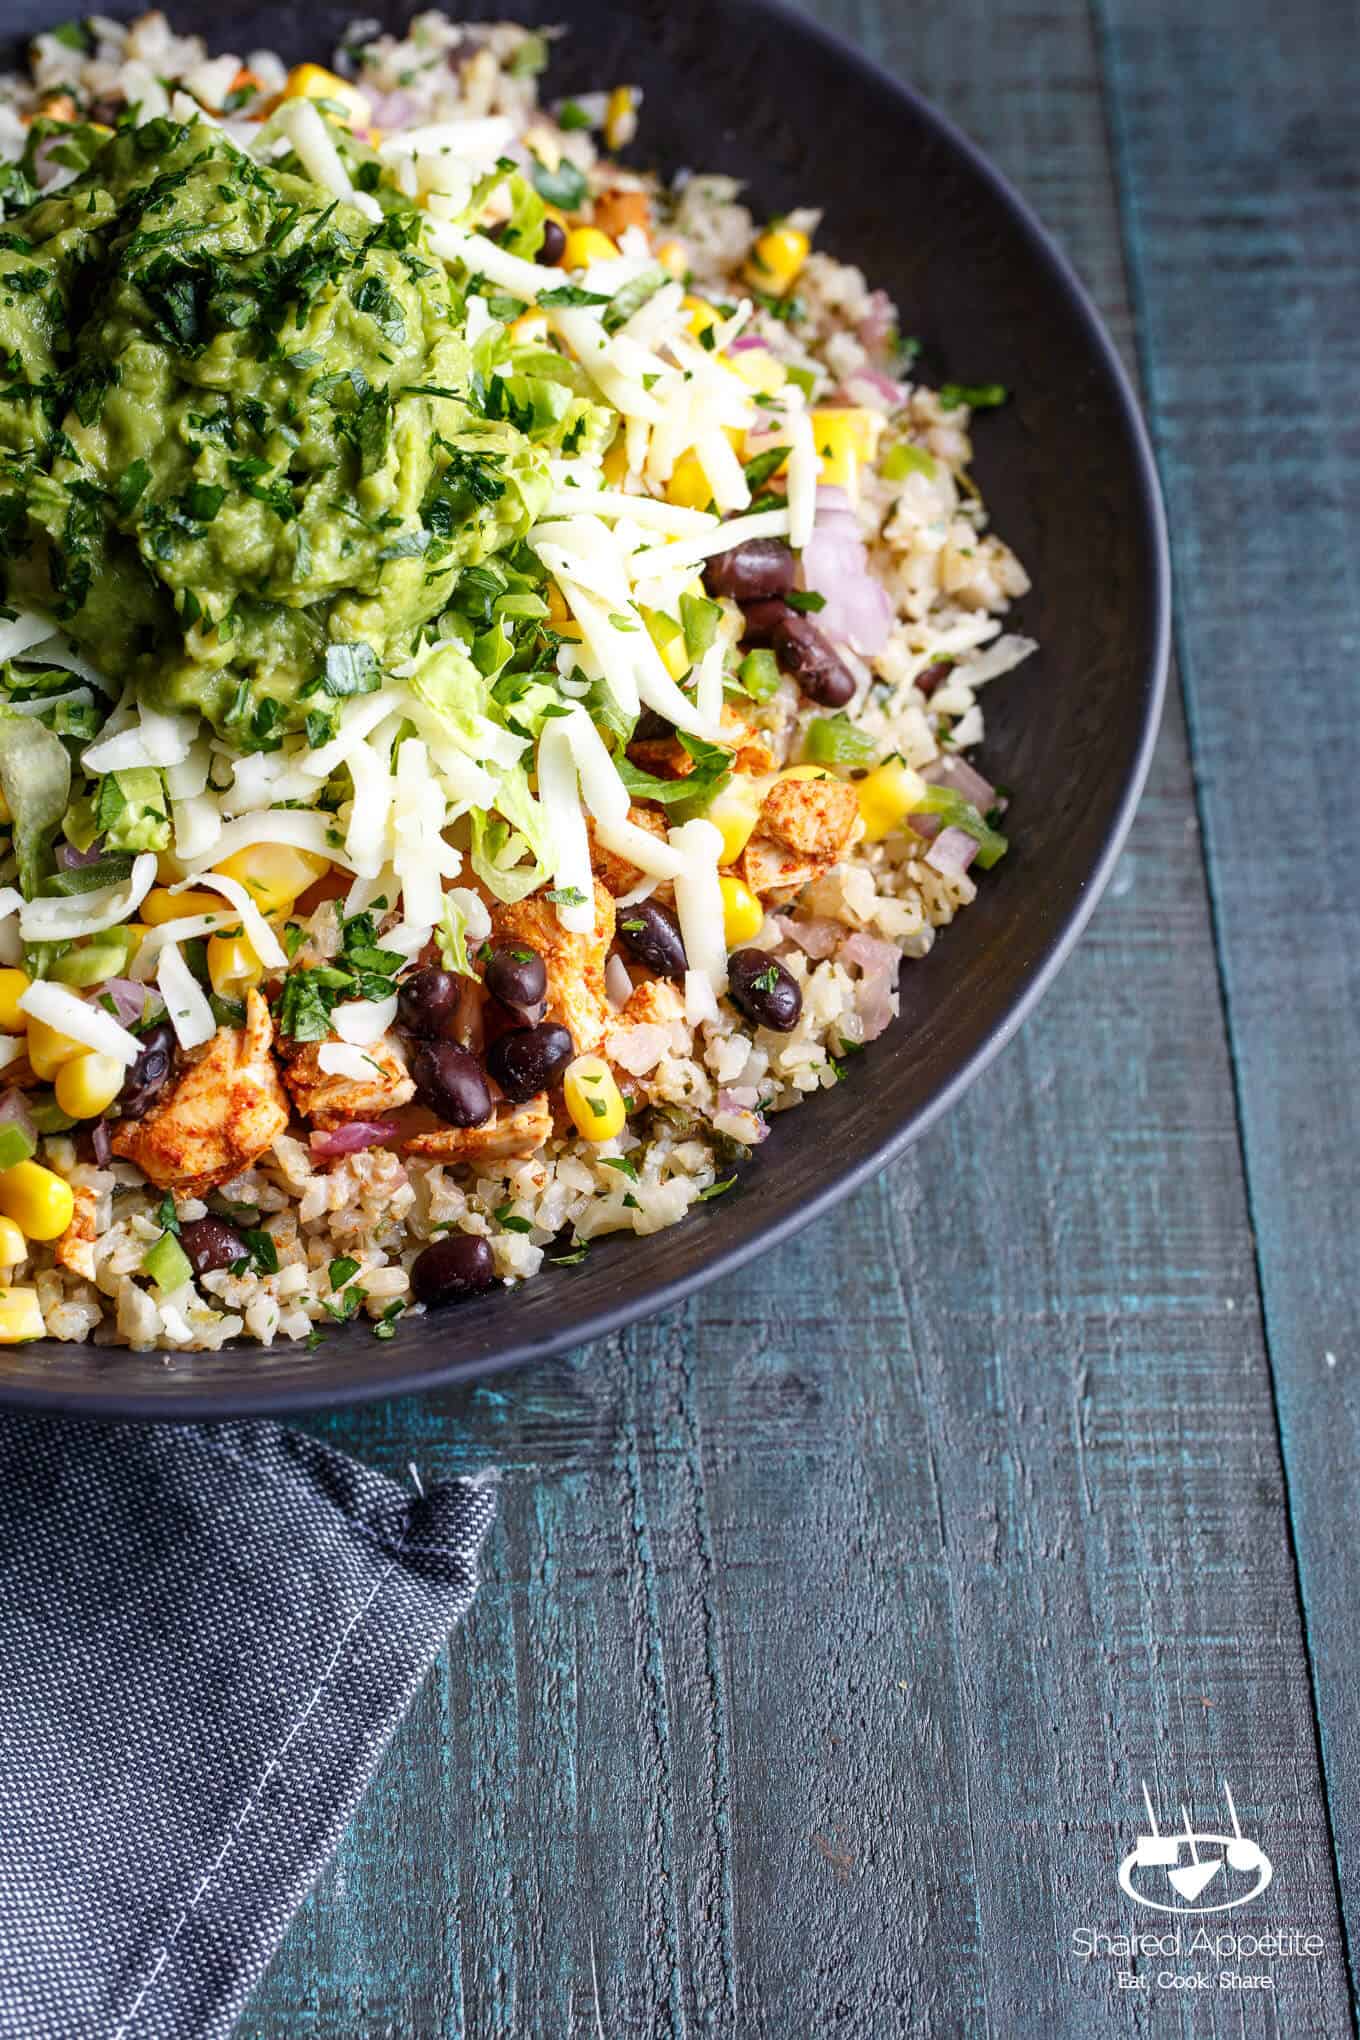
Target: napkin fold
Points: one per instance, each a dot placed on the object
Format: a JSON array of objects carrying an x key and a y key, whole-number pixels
[{"x": 207, "y": 1638}]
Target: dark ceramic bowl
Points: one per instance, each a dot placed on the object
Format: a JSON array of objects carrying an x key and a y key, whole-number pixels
[{"x": 748, "y": 87}]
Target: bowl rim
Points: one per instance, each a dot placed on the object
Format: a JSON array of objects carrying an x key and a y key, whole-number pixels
[{"x": 184, "y": 1402}]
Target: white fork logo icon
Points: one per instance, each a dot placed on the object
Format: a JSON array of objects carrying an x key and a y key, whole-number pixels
[{"x": 1211, "y": 1860}]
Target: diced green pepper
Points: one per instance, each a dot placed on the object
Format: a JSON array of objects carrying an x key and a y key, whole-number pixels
[{"x": 167, "y": 1264}]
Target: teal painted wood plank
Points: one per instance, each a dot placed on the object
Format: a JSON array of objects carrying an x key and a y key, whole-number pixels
[
  {"x": 833, "y": 1620},
  {"x": 1246, "y": 227}
]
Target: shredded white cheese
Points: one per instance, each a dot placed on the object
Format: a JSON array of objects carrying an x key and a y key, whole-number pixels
[
  {"x": 258, "y": 932},
  {"x": 190, "y": 1014},
  {"x": 59, "y": 1008},
  {"x": 698, "y": 901},
  {"x": 61, "y": 920}
]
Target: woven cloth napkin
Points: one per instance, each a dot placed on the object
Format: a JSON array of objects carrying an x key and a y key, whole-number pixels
[{"x": 207, "y": 1637}]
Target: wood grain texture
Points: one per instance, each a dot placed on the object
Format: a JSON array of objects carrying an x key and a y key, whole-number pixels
[
  {"x": 833, "y": 1620},
  {"x": 1252, "y": 385}
]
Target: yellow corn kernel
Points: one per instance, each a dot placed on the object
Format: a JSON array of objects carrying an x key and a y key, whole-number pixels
[
  {"x": 313, "y": 81},
  {"x": 274, "y": 873},
  {"x": 887, "y": 796},
  {"x": 48, "y": 1049},
  {"x": 530, "y": 329},
  {"x": 702, "y": 314},
  {"x": 88, "y": 1084},
  {"x": 39, "y": 1202},
  {"x": 620, "y": 117},
  {"x": 845, "y": 439},
  {"x": 13, "y": 1245},
  {"x": 801, "y": 772},
  {"x": 734, "y": 813},
  {"x": 593, "y": 1098},
  {"x": 20, "y": 1316},
  {"x": 689, "y": 486},
  {"x": 674, "y": 259},
  {"x": 742, "y": 912},
  {"x": 13, "y": 985},
  {"x": 586, "y": 245},
  {"x": 760, "y": 370},
  {"x": 614, "y": 466},
  {"x": 233, "y": 967},
  {"x": 161, "y": 905},
  {"x": 776, "y": 260}
]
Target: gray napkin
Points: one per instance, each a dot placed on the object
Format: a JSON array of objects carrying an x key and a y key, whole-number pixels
[{"x": 207, "y": 1637}]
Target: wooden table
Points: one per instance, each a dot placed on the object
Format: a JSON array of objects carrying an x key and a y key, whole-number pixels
[{"x": 834, "y": 1620}]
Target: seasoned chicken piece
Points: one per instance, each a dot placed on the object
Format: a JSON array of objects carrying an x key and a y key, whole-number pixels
[
  {"x": 617, "y": 210},
  {"x": 515, "y": 1133},
  {"x": 615, "y": 873},
  {"x": 775, "y": 873},
  {"x": 812, "y": 817},
  {"x": 577, "y": 999},
  {"x": 75, "y": 1249},
  {"x": 328, "y": 1101},
  {"x": 653, "y": 1004},
  {"x": 220, "y": 1115},
  {"x": 667, "y": 758}
]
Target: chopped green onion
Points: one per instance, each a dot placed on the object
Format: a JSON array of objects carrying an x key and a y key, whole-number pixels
[{"x": 977, "y": 396}]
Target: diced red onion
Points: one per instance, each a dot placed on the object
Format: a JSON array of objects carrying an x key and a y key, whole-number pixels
[
  {"x": 923, "y": 823},
  {"x": 129, "y": 998},
  {"x": 870, "y": 954},
  {"x": 740, "y": 1098},
  {"x": 70, "y": 859},
  {"x": 816, "y": 937},
  {"x": 14, "y": 1112},
  {"x": 870, "y": 383},
  {"x": 875, "y": 995},
  {"x": 392, "y": 110},
  {"x": 357, "y": 1134},
  {"x": 744, "y": 342},
  {"x": 859, "y": 610},
  {"x": 962, "y": 778},
  {"x": 878, "y": 321},
  {"x": 952, "y": 852}
]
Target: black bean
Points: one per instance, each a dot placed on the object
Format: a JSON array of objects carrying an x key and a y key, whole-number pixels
[
  {"x": 451, "y": 1082},
  {"x": 761, "y": 620},
  {"x": 651, "y": 933},
  {"x": 150, "y": 1071},
  {"x": 459, "y": 1265},
  {"x": 812, "y": 661},
  {"x": 527, "y": 1060},
  {"x": 553, "y": 245},
  {"x": 211, "y": 1243},
  {"x": 752, "y": 572},
  {"x": 931, "y": 676},
  {"x": 426, "y": 1001},
  {"x": 764, "y": 990},
  {"x": 516, "y": 975}
]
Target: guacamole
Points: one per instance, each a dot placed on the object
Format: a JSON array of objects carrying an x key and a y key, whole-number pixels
[{"x": 242, "y": 454}]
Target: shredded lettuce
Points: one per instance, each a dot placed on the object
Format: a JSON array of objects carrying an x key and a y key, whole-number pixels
[
  {"x": 451, "y": 938},
  {"x": 35, "y": 778}
]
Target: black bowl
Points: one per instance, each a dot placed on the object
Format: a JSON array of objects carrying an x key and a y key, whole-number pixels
[{"x": 749, "y": 87}]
